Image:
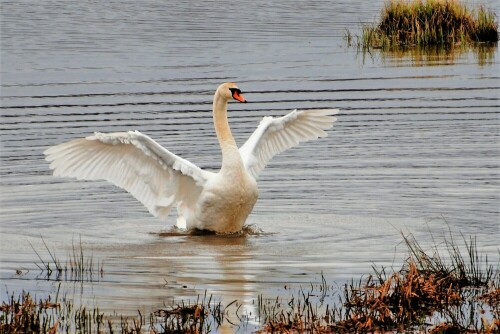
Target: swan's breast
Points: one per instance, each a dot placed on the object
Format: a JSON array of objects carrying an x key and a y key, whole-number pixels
[{"x": 226, "y": 202}]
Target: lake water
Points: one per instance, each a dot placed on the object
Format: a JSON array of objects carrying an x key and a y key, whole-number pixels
[{"x": 416, "y": 147}]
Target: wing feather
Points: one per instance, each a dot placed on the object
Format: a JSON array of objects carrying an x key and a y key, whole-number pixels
[
  {"x": 275, "y": 135},
  {"x": 135, "y": 162}
]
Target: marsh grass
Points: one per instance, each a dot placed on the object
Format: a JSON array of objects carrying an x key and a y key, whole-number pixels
[
  {"x": 448, "y": 287},
  {"x": 443, "y": 286},
  {"x": 462, "y": 268},
  {"x": 425, "y": 23},
  {"x": 202, "y": 316},
  {"x": 27, "y": 314},
  {"x": 22, "y": 314},
  {"x": 77, "y": 267}
]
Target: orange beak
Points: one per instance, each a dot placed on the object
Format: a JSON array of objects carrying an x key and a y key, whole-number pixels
[{"x": 238, "y": 96}]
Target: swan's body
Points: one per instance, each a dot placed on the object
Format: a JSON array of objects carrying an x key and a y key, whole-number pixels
[{"x": 159, "y": 179}]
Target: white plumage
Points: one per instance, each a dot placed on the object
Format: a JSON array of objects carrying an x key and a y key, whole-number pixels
[
  {"x": 275, "y": 135},
  {"x": 160, "y": 179},
  {"x": 132, "y": 161}
]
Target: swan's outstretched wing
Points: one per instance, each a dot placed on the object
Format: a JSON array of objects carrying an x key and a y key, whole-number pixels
[
  {"x": 134, "y": 162},
  {"x": 275, "y": 135}
]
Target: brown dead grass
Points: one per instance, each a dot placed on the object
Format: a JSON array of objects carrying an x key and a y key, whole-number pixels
[{"x": 463, "y": 291}]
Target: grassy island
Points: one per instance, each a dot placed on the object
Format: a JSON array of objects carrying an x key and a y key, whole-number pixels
[{"x": 428, "y": 23}]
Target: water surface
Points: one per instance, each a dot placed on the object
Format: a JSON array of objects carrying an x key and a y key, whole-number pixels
[{"x": 415, "y": 148}]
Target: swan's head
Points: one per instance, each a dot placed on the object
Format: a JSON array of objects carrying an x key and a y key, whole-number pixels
[{"x": 230, "y": 90}]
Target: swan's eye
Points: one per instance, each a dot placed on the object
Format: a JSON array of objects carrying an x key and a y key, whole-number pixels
[
  {"x": 236, "y": 94},
  {"x": 235, "y": 90}
]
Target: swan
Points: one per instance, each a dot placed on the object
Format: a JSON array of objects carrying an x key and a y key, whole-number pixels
[{"x": 218, "y": 202}]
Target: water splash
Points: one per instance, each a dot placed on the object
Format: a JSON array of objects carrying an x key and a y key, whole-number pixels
[{"x": 247, "y": 230}]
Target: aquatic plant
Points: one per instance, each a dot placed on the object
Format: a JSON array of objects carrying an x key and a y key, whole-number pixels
[
  {"x": 427, "y": 22},
  {"x": 457, "y": 290},
  {"x": 200, "y": 316},
  {"x": 449, "y": 287},
  {"x": 78, "y": 267},
  {"x": 24, "y": 314}
]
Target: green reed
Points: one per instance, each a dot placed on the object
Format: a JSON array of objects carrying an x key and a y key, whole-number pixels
[{"x": 426, "y": 23}]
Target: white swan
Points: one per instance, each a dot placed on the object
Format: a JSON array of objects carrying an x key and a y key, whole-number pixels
[{"x": 159, "y": 179}]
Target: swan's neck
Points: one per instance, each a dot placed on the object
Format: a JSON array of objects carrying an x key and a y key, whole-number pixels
[{"x": 230, "y": 154}]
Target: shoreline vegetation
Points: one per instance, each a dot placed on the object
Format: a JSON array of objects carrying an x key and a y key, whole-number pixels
[
  {"x": 449, "y": 288},
  {"x": 427, "y": 23}
]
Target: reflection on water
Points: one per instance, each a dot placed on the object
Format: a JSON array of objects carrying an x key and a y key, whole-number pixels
[
  {"x": 482, "y": 54},
  {"x": 415, "y": 147}
]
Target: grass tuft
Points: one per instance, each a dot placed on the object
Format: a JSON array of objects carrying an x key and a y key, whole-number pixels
[
  {"x": 200, "y": 317},
  {"x": 426, "y": 23}
]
